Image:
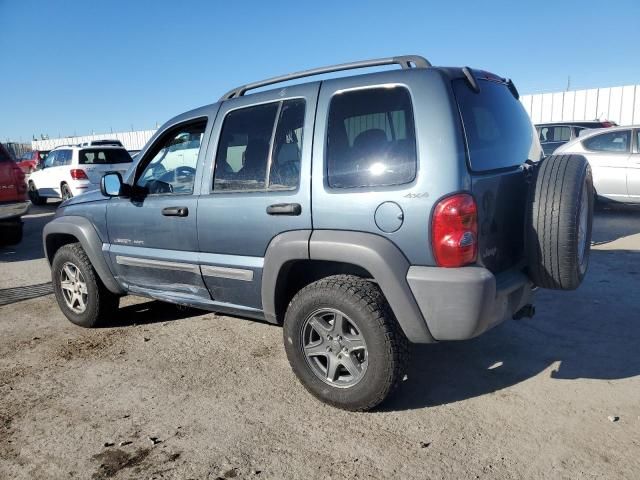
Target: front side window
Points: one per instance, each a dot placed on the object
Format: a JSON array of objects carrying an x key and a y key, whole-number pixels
[
  {"x": 173, "y": 160},
  {"x": 253, "y": 156},
  {"x": 371, "y": 138},
  {"x": 98, "y": 156},
  {"x": 51, "y": 159},
  {"x": 63, "y": 158},
  {"x": 618, "y": 141}
]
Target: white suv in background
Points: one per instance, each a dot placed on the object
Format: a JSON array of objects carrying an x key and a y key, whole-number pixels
[{"x": 72, "y": 170}]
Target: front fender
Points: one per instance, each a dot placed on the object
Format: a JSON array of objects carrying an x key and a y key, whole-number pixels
[{"x": 84, "y": 232}]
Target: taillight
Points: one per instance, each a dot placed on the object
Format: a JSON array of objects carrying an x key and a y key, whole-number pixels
[
  {"x": 78, "y": 174},
  {"x": 18, "y": 175},
  {"x": 454, "y": 231}
]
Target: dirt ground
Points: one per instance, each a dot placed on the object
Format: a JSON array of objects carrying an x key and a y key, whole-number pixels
[{"x": 166, "y": 393}]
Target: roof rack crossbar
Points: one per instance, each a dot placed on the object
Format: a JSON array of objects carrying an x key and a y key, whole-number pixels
[{"x": 405, "y": 61}]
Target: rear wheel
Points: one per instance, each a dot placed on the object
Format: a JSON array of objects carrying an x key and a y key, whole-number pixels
[
  {"x": 80, "y": 293},
  {"x": 34, "y": 196},
  {"x": 343, "y": 342},
  {"x": 560, "y": 220}
]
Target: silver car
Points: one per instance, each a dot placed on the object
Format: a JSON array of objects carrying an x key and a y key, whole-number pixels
[{"x": 614, "y": 156}]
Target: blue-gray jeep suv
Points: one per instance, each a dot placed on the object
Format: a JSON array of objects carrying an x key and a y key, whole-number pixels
[{"x": 361, "y": 213}]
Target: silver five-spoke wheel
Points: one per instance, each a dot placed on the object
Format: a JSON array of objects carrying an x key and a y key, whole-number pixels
[
  {"x": 334, "y": 348},
  {"x": 74, "y": 287}
]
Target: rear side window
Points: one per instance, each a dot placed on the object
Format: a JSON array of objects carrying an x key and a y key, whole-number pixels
[
  {"x": 102, "y": 156},
  {"x": 255, "y": 153},
  {"x": 618, "y": 141},
  {"x": 497, "y": 128},
  {"x": 371, "y": 138},
  {"x": 555, "y": 134}
]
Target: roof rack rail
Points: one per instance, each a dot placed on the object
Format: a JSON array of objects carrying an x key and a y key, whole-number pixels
[{"x": 405, "y": 61}]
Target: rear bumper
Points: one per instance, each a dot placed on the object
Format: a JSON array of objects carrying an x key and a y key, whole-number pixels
[
  {"x": 461, "y": 303},
  {"x": 13, "y": 210}
]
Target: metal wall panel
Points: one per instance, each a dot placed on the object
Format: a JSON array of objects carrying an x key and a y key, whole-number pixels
[
  {"x": 130, "y": 140},
  {"x": 618, "y": 104}
]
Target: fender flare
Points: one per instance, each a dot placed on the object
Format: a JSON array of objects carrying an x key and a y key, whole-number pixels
[
  {"x": 283, "y": 248},
  {"x": 83, "y": 230},
  {"x": 376, "y": 254}
]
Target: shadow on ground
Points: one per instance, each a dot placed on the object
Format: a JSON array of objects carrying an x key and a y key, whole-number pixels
[
  {"x": 613, "y": 221},
  {"x": 152, "y": 311},
  {"x": 593, "y": 332}
]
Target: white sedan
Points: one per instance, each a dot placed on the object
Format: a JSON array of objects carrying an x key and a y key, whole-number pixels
[{"x": 614, "y": 156}]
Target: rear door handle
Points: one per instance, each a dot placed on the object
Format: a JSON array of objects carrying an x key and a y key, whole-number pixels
[
  {"x": 175, "y": 211},
  {"x": 284, "y": 209}
]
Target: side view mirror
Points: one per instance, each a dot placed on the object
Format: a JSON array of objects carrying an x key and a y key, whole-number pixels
[{"x": 111, "y": 184}]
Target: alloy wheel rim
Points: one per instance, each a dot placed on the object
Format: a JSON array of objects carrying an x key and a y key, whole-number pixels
[
  {"x": 74, "y": 287},
  {"x": 334, "y": 348}
]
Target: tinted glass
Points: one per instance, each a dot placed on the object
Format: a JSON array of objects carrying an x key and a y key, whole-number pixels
[
  {"x": 243, "y": 149},
  {"x": 618, "y": 141},
  {"x": 102, "y": 156},
  {"x": 51, "y": 159},
  {"x": 497, "y": 128},
  {"x": 555, "y": 134},
  {"x": 4, "y": 155},
  {"x": 285, "y": 161},
  {"x": 173, "y": 160},
  {"x": 371, "y": 138},
  {"x": 63, "y": 158}
]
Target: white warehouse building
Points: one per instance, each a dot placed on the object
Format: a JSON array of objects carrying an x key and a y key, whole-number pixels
[{"x": 616, "y": 104}]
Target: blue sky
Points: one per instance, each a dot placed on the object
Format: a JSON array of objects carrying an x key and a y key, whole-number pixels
[{"x": 73, "y": 67}]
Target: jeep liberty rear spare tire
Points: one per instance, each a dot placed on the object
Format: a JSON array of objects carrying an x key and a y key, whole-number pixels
[
  {"x": 343, "y": 342},
  {"x": 559, "y": 222}
]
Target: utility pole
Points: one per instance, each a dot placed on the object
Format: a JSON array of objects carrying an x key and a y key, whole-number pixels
[{"x": 568, "y": 82}]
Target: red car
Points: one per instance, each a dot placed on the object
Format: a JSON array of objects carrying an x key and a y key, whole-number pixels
[
  {"x": 31, "y": 161},
  {"x": 13, "y": 198}
]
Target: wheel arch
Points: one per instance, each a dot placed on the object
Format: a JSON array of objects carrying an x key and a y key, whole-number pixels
[
  {"x": 295, "y": 259},
  {"x": 70, "y": 229}
]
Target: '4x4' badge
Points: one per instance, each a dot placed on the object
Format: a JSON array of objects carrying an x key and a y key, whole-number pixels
[{"x": 417, "y": 195}]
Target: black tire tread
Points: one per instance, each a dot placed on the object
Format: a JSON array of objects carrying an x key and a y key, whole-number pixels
[
  {"x": 368, "y": 297},
  {"x": 552, "y": 239},
  {"x": 106, "y": 302}
]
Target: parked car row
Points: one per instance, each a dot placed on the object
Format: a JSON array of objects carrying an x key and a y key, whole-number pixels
[
  {"x": 613, "y": 153},
  {"x": 553, "y": 135}
]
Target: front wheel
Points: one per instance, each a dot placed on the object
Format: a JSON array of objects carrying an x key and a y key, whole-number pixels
[
  {"x": 80, "y": 293},
  {"x": 343, "y": 342}
]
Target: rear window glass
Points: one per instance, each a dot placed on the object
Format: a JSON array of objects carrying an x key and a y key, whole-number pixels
[
  {"x": 370, "y": 138},
  {"x": 101, "y": 156},
  {"x": 497, "y": 128}
]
